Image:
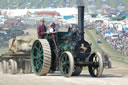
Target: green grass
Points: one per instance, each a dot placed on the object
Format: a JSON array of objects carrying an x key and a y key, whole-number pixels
[
  {"x": 14, "y": 1},
  {"x": 113, "y": 3},
  {"x": 72, "y": 3},
  {"x": 34, "y": 2},
  {"x": 115, "y": 59},
  {"x": 44, "y": 3},
  {"x": 95, "y": 46},
  {"x": 86, "y": 3},
  {"x": 125, "y": 3},
  {"x": 85, "y": 68},
  {"x": 59, "y": 3},
  {"x": 22, "y": 5},
  {"x": 98, "y": 3}
]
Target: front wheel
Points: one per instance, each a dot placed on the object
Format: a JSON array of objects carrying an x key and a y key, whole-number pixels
[
  {"x": 66, "y": 64},
  {"x": 96, "y": 68}
]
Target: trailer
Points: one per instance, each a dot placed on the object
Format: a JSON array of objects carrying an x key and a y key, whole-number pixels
[
  {"x": 16, "y": 62},
  {"x": 17, "y": 59}
]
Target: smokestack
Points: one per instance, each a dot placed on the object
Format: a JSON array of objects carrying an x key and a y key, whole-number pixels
[{"x": 81, "y": 20}]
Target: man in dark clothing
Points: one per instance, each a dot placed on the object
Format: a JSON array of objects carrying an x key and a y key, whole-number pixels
[{"x": 41, "y": 30}]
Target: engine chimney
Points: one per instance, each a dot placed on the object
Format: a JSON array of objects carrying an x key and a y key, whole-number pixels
[{"x": 81, "y": 20}]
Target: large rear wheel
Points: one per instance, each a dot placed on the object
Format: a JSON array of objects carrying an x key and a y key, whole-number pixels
[
  {"x": 41, "y": 57},
  {"x": 66, "y": 64},
  {"x": 96, "y": 68}
]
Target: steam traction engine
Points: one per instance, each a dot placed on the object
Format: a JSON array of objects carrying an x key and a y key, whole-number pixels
[{"x": 66, "y": 52}]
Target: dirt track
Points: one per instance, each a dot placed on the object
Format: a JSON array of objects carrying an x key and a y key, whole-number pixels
[{"x": 117, "y": 75}]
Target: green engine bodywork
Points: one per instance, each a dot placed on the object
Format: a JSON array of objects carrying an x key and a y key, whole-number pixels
[
  {"x": 67, "y": 41},
  {"x": 63, "y": 42}
]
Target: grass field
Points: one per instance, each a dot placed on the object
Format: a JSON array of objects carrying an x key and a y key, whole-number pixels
[
  {"x": 44, "y": 3},
  {"x": 59, "y": 3},
  {"x": 95, "y": 46}
]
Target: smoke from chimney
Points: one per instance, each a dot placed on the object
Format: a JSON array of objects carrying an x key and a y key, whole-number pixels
[{"x": 80, "y": 2}]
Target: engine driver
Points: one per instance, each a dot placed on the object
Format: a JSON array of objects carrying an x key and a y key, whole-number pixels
[{"x": 41, "y": 29}]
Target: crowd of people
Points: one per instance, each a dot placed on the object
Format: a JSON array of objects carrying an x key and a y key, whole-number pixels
[{"x": 115, "y": 33}]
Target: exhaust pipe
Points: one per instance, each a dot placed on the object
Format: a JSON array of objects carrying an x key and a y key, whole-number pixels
[{"x": 81, "y": 21}]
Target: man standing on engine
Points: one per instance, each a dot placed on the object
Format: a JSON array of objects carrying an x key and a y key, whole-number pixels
[
  {"x": 41, "y": 30},
  {"x": 52, "y": 28}
]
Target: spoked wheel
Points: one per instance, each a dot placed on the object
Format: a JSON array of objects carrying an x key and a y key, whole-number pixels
[
  {"x": 5, "y": 66},
  {"x": 41, "y": 57},
  {"x": 96, "y": 68},
  {"x": 12, "y": 66},
  {"x": 77, "y": 70},
  {"x": 66, "y": 64}
]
